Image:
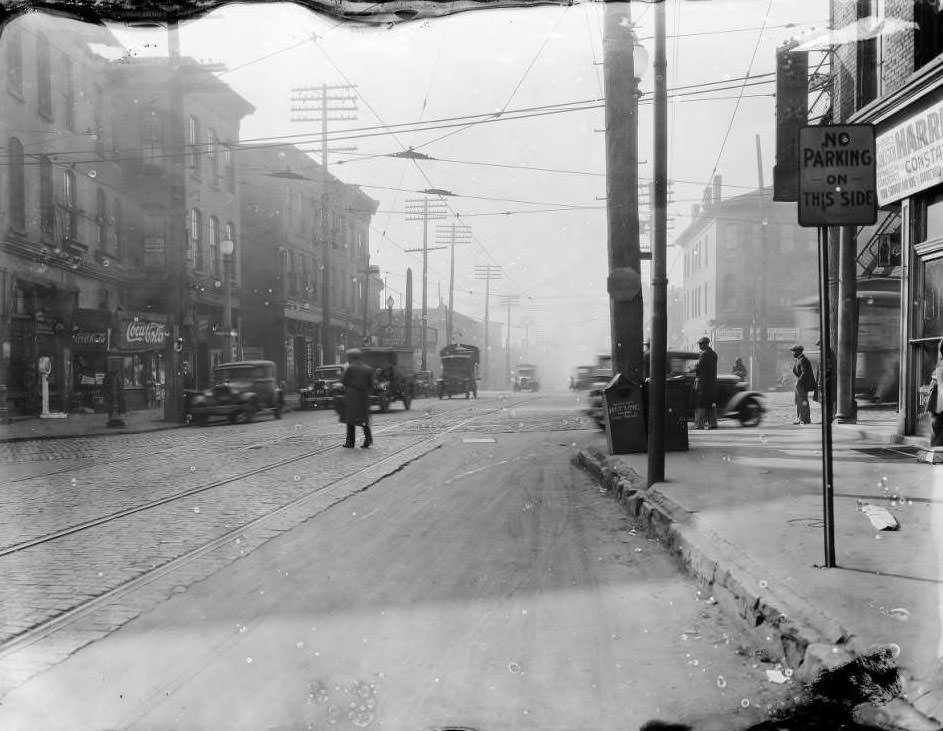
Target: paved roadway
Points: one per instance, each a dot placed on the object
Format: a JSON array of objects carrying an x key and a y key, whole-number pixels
[{"x": 461, "y": 574}]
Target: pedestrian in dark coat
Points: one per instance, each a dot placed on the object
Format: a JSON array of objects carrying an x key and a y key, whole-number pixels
[
  {"x": 739, "y": 369},
  {"x": 705, "y": 386},
  {"x": 805, "y": 382},
  {"x": 358, "y": 383}
]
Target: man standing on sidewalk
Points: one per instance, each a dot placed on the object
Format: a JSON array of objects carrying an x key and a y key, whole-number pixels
[
  {"x": 705, "y": 386},
  {"x": 805, "y": 382}
]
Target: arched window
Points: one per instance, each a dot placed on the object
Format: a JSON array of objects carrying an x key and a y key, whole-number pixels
[
  {"x": 193, "y": 144},
  {"x": 43, "y": 77},
  {"x": 17, "y": 186}
]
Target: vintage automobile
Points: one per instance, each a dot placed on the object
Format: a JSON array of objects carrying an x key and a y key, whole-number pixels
[
  {"x": 459, "y": 371},
  {"x": 423, "y": 384},
  {"x": 395, "y": 374},
  {"x": 241, "y": 389},
  {"x": 734, "y": 401},
  {"x": 583, "y": 378},
  {"x": 525, "y": 378},
  {"x": 318, "y": 394}
]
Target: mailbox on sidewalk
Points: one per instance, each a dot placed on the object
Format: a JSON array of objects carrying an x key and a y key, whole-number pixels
[{"x": 624, "y": 414}]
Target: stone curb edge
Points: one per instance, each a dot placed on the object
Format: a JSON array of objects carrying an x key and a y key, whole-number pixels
[{"x": 807, "y": 639}]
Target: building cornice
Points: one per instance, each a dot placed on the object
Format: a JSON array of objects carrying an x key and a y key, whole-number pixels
[{"x": 921, "y": 83}]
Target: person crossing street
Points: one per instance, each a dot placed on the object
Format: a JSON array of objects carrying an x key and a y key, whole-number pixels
[{"x": 358, "y": 383}]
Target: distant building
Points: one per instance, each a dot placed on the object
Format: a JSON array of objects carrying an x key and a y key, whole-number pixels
[{"x": 743, "y": 275}]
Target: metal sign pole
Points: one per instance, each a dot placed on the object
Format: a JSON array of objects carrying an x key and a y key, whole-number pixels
[{"x": 825, "y": 391}]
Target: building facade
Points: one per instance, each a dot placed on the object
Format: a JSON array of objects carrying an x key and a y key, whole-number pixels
[
  {"x": 122, "y": 241},
  {"x": 311, "y": 291},
  {"x": 746, "y": 265},
  {"x": 895, "y": 82}
]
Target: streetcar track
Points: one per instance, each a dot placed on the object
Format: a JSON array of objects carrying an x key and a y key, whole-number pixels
[{"x": 53, "y": 624}]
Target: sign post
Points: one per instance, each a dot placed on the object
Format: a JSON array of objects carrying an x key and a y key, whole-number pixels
[{"x": 837, "y": 187}]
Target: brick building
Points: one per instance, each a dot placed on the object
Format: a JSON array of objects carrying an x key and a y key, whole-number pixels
[{"x": 895, "y": 82}]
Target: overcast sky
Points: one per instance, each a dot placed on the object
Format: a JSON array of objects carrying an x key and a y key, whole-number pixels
[{"x": 544, "y": 227}]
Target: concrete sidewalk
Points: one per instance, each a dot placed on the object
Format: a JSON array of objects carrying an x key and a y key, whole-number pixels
[
  {"x": 83, "y": 425},
  {"x": 743, "y": 510}
]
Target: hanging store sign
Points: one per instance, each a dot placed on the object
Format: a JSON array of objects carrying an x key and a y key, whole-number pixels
[
  {"x": 728, "y": 334},
  {"x": 781, "y": 334},
  {"x": 910, "y": 155},
  {"x": 837, "y": 175}
]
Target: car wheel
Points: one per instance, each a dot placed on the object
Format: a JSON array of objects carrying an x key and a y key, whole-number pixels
[
  {"x": 750, "y": 412},
  {"x": 277, "y": 412},
  {"x": 384, "y": 406},
  {"x": 406, "y": 402},
  {"x": 200, "y": 419},
  {"x": 249, "y": 414},
  {"x": 233, "y": 417}
]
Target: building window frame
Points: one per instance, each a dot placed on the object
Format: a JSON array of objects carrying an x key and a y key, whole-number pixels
[
  {"x": 14, "y": 62},
  {"x": 44, "y": 77},
  {"x": 195, "y": 240},
  {"x": 16, "y": 186}
]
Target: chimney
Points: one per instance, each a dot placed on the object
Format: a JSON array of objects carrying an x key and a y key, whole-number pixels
[
  {"x": 716, "y": 189},
  {"x": 706, "y": 199},
  {"x": 695, "y": 210}
]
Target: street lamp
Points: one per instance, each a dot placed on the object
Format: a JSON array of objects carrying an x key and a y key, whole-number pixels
[{"x": 226, "y": 248}]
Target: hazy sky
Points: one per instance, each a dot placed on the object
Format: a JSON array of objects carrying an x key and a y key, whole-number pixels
[{"x": 482, "y": 62}]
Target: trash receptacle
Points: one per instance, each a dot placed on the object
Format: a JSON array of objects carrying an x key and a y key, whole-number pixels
[
  {"x": 624, "y": 414},
  {"x": 676, "y": 417}
]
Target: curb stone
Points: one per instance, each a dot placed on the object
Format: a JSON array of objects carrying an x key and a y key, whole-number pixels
[{"x": 795, "y": 630}]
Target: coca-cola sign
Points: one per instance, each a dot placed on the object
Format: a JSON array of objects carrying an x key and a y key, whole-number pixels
[{"x": 140, "y": 334}]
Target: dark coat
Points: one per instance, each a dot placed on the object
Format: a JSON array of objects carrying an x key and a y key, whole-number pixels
[
  {"x": 802, "y": 370},
  {"x": 705, "y": 379},
  {"x": 358, "y": 383}
]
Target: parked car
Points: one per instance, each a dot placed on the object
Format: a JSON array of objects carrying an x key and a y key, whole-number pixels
[
  {"x": 583, "y": 378},
  {"x": 734, "y": 401},
  {"x": 318, "y": 394},
  {"x": 241, "y": 389}
]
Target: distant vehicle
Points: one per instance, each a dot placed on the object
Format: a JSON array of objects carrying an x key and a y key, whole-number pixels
[
  {"x": 734, "y": 401},
  {"x": 395, "y": 374},
  {"x": 318, "y": 394},
  {"x": 241, "y": 390},
  {"x": 583, "y": 378},
  {"x": 459, "y": 371},
  {"x": 525, "y": 378},
  {"x": 423, "y": 384}
]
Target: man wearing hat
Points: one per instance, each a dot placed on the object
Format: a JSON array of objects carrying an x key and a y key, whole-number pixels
[
  {"x": 805, "y": 382},
  {"x": 358, "y": 383},
  {"x": 705, "y": 386}
]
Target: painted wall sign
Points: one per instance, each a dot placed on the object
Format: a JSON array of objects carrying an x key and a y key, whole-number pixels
[{"x": 910, "y": 155}]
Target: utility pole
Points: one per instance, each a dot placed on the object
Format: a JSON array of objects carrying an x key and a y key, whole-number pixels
[
  {"x": 176, "y": 227},
  {"x": 452, "y": 234},
  {"x": 487, "y": 272},
  {"x": 657, "y": 396},
  {"x": 620, "y": 48},
  {"x": 509, "y": 299},
  {"x": 760, "y": 310},
  {"x": 423, "y": 209},
  {"x": 316, "y": 104}
]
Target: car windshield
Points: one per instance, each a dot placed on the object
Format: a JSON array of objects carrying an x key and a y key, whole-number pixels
[
  {"x": 208, "y": 209},
  {"x": 240, "y": 373}
]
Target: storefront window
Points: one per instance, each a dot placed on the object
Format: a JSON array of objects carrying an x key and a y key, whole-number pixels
[{"x": 929, "y": 319}]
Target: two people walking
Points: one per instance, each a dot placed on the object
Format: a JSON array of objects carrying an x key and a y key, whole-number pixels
[{"x": 805, "y": 384}]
